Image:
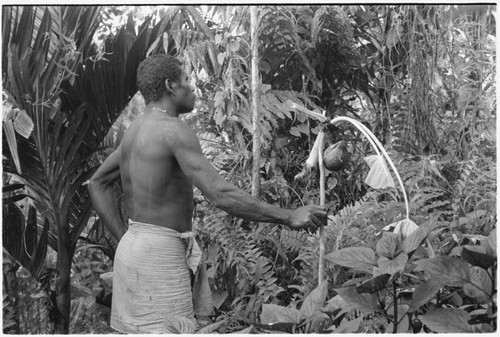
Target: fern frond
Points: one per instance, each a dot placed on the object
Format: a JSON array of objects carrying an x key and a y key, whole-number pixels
[
  {"x": 293, "y": 241},
  {"x": 341, "y": 223},
  {"x": 429, "y": 194},
  {"x": 221, "y": 154},
  {"x": 265, "y": 280}
]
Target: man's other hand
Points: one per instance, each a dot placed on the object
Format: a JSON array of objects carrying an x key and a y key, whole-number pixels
[{"x": 308, "y": 217}]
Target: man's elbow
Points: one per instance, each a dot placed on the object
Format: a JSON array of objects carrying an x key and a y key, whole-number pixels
[
  {"x": 220, "y": 193},
  {"x": 216, "y": 198},
  {"x": 92, "y": 186},
  {"x": 216, "y": 201}
]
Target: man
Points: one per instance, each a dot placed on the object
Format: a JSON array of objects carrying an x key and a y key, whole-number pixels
[{"x": 159, "y": 160}]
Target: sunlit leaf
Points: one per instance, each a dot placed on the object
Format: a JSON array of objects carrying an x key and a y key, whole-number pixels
[
  {"x": 349, "y": 326},
  {"x": 480, "y": 286},
  {"x": 315, "y": 300},
  {"x": 449, "y": 270},
  {"x": 492, "y": 241},
  {"x": 312, "y": 160},
  {"x": 108, "y": 278},
  {"x": 308, "y": 112},
  {"x": 361, "y": 302},
  {"x": 360, "y": 258},
  {"x": 415, "y": 239},
  {"x": 405, "y": 227},
  {"x": 234, "y": 45},
  {"x": 178, "y": 324},
  {"x": 445, "y": 320},
  {"x": 164, "y": 37},
  {"x": 388, "y": 245},
  {"x": 379, "y": 175},
  {"x": 23, "y": 124},
  {"x": 8, "y": 130},
  {"x": 336, "y": 305},
  {"x": 392, "y": 266},
  {"x": 424, "y": 292},
  {"x": 218, "y": 297},
  {"x": 265, "y": 87},
  {"x": 272, "y": 313}
]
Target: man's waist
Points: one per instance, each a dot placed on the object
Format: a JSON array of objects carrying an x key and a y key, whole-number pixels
[
  {"x": 177, "y": 226},
  {"x": 193, "y": 251}
]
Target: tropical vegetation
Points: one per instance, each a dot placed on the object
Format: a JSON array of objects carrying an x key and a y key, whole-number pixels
[{"x": 419, "y": 257}]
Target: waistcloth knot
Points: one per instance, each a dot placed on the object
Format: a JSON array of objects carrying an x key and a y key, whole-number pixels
[{"x": 193, "y": 251}]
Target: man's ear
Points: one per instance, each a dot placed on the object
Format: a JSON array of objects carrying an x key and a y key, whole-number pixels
[{"x": 169, "y": 86}]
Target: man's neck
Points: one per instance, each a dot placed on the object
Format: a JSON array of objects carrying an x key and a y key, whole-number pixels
[{"x": 162, "y": 107}]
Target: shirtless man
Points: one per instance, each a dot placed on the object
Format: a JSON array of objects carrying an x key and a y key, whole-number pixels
[{"x": 159, "y": 160}]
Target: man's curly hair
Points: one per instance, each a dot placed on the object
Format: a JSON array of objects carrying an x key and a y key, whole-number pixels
[{"x": 153, "y": 72}]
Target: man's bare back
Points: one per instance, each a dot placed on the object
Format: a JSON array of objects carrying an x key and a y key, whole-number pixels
[{"x": 156, "y": 190}]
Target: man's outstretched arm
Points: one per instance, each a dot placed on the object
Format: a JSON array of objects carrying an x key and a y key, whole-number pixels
[
  {"x": 102, "y": 195},
  {"x": 225, "y": 195}
]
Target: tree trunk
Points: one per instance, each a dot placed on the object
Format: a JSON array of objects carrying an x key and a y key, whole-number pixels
[
  {"x": 63, "y": 295},
  {"x": 254, "y": 108}
]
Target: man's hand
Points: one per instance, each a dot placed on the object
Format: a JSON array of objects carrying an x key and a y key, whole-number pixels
[{"x": 309, "y": 217}]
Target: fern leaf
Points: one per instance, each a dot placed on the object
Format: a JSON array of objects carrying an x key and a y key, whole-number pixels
[{"x": 293, "y": 241}]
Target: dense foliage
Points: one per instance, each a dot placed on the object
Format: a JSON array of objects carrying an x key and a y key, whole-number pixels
[{"x": 420, "y": 77}]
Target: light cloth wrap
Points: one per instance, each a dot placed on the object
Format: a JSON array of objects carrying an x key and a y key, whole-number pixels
[{"x": 151, "y": 277}]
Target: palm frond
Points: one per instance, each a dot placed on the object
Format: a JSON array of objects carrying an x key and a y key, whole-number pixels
[
  {"x": 21, "y": 239},
  {"x": 73, "y": 95}
]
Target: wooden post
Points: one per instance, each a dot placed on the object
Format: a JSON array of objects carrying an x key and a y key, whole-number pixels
[
  {"x": 255, "y": 96},
  {"x": 322, "y": 201}
]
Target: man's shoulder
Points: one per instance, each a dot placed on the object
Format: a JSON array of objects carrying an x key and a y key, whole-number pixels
[
  {"x": 173, "y": 130},
  {"x": 154, "y": 125},
  {"x": 175, "y": 127}
]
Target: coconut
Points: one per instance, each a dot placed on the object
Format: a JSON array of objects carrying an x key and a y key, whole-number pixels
[{"x": 336, "y": 156}]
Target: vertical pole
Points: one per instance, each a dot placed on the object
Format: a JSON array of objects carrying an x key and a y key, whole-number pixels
[
  {"x": 255, "y": 96},
  {"x": 322, "y": 201}
]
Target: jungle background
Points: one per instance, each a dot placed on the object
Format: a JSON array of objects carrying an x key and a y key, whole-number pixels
[{"x": 422, "y": 78}]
